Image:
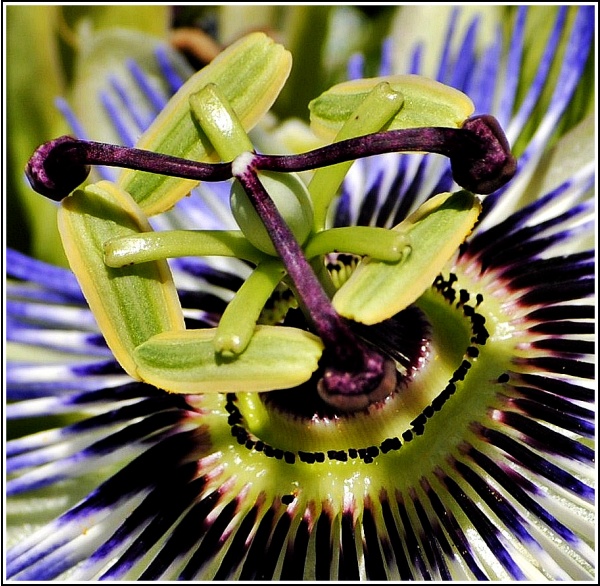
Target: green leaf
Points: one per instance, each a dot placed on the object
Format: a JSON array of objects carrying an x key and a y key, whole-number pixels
[
  {"x": 426, "y": 103},
  {"x": 130, "y": 304},
  {"x": 573, "y": 151},
  {"x": 249, "y": 73},
  {"x": 186, "y": 362},
  {"x": 305, "y": 30},
  {"x": 377, "y": 290}
]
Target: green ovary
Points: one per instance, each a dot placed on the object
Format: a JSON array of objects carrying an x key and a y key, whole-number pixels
[{"x": 291, "y": 198}]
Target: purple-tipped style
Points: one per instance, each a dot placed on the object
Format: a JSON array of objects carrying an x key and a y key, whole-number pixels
[{"x": 479, "y": 153}]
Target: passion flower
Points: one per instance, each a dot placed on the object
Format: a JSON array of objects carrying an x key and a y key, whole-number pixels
[{"x": 477, "y": 466}]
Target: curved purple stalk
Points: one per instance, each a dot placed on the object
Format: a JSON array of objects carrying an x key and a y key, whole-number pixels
[
  {"x": 479, "y": 154},
  {"x": 59, "y": 166}
]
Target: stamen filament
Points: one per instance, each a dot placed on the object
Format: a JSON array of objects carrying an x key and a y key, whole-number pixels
[
  {"x": 151, "y": 246},
  {"x": 238, "y": 322},
  {"x": 380, "y": 105},
  {"x": 380, "y": 243}
]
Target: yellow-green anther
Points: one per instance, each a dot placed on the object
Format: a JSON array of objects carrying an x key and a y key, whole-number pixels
[
  {"x": 380, "y": 243},
  {"x": 371, "y": 114},
  {"x": 250, "y": 74},
  {"x": 130, "y": 304},
  {"x": 219, "y": 122},
  {"x": 426, "y": 103},
  {"x": 139, "y": 248},
  {"x": 377, "y": 290},
  {"x": 186, "y": 362},
  {"x": 238, "y": 321}
]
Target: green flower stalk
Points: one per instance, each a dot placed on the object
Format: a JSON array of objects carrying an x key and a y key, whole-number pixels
[{"x": 350, "y": 362}]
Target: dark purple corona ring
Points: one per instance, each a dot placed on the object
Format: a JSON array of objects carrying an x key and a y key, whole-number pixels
[
  {"x": 354, "y": 374},
  {"x": 478, "y": 151}
]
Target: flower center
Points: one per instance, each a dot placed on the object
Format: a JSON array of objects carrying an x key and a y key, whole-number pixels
[{"x": 432, "y": 344}]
